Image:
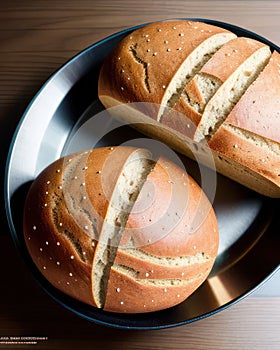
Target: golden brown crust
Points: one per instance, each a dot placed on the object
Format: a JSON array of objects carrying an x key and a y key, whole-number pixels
[
  {"x": 156, "y": 267},
  {"x": 263, "y": 165},
  {"x": 230, "y": 56},
  {"x": 141, "y": 67},
  {"x": 258, "y": 110},
  {"x": 123, "y": 288},
  {"x": 57, "y": 244}
]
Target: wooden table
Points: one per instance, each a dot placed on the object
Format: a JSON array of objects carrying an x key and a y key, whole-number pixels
[{"x": 37, "y": 37}]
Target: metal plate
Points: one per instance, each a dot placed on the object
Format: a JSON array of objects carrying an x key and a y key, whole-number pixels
[{"x": 248, "y": 223}]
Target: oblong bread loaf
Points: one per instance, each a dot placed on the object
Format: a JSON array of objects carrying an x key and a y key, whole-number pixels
[{"x": 232, "y": 70}]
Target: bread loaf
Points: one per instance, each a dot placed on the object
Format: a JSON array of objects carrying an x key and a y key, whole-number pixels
[
  {"x": 115, "y": 229},
  {"x": 209, "y": 107}
]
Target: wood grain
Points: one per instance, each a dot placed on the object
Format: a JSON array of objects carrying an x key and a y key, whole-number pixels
[{"x": 36, "y": 38}]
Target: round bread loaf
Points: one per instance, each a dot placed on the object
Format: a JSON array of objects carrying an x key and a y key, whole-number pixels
[{"x": 118, "y": 230}]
